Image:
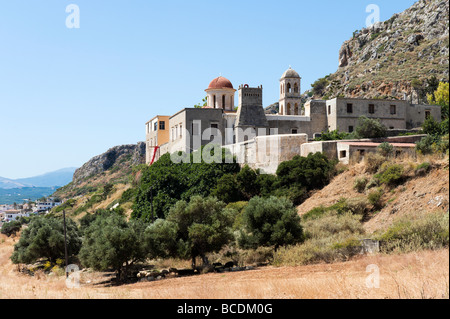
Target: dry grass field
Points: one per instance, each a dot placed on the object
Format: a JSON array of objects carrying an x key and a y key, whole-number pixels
[{"x": 416, "y": 275}]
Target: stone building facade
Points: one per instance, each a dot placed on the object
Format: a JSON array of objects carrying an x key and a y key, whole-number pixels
[{"x": 220, "y": 123}]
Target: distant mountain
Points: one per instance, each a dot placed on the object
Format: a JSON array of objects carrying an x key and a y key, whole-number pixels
[
  {"x": 57, "y": 178},
  {"x": 6, "y": 183}
]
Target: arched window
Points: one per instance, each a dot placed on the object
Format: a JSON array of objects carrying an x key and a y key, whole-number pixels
[
  {"x": 295, "y": 88},
  {"x": 223, "y": 102},
  {"x": 288, "y": 109},
  {"x": 289, "y": 88},
  {"x": 296, "y": 109},
  {"x": 214, "y": 105}
]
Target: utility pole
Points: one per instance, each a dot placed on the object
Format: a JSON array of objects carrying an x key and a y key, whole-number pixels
[{"x": 65, "y": 243}]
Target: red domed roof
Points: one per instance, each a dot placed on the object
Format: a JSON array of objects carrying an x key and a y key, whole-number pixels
[{"x": 220, "y": 83}]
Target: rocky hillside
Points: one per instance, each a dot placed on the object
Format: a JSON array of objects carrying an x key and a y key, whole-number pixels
[
  {"x": 113, "y": 166},
  {"x": 419, "y": 193},
  {"x": 403, "y": 55}
]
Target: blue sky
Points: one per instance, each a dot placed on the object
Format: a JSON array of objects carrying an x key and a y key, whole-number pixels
[{"x": 67, "y": 95}]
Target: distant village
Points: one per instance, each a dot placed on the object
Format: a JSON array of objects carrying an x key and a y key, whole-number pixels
[{"x": 9, "y": 213}]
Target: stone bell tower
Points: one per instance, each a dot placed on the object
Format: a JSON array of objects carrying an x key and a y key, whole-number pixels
[{"x": 290, "y": 88}]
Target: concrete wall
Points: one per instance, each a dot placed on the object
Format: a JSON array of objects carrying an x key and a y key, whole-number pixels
[
  {"x": 284, "y": 124},
  {"x": 267, "y": 152},
  {"x": 329, "y": 148},
  {"x": 202, "y": 119},
  {"x": 416, "y": 114},
  {"x": 317, "y": 111},
  {"x": 334, "y": 149},
  {"x": 340, "y": 119}
]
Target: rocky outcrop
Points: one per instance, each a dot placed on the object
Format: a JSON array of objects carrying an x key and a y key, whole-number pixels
[
  {"x": 396, "y": 57},
  {"x": 124, "y": 155}
]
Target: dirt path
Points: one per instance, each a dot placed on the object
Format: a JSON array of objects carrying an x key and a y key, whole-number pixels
[{"x": 416, "y": 275}]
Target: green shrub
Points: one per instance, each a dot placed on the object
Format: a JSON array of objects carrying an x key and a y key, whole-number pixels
[
  {"x": 357, "y": 205},
  {"x": 296, "y": 194},
  {"x": 227, "y": 189},
  {"x": 430, "y": 231},
  {"x": 360, "y": 184},
  {"x": 112, "y": 242},
  {"x": 238, "y": 209},
  {"x": 391, "y": 174},
  {"x": 442, "y": 146},
  {"x": 330, "y": 238},
  {"x": 319, "y": 86},
  {"x": 385, "y": 149},
  {"x": 332, "y": 224},
  {"x": 170, "y": 182},
  {"x": 332, "y": 136},
  {"x": 246, "y": 182},
  {"x": 66, "y": 205},
  {"x": 374, "y": 182},
  {"x": 128, "y": 195},
  {"x": 44, "y": 238},
  {"x": 11, "y": 228},
  {"x": 375, "y": 198},
  {"x": 270, "y": 222},
  {"x": 340, "y": 208},
  {"x": 311, "y": 172},
  {"x": 425, "y": 145},
  {"x": 370, "y": 128},
  {"x": 373, "y": 162},
  {"x": 315, "y": 213},
  {"x": 266, "y": 184},
  {"x": 423, "y": 169},
  {"x": 201, "y": 226}
]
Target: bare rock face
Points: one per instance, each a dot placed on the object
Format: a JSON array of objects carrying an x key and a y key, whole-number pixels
[
  {"x": 412, "y": 45},
  {"x": 125, "y": 155},
  {"x": 344, "y": 55}
]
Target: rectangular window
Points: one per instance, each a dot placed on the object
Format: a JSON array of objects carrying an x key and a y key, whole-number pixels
[
  {"x": 155, "y": 127},
  {"x": 329, "y": 109},
  {"x": 349, "y": 108},
  {"x": 371, "y": 108},
  {"x": 351, "y": 129},
  {"x": 427, "y": 114},
  {"x": 181, "y": 130},
  {"x": 214, "y": 125},
  {"x": 342, "y": 154},
  {"x": 162, "y": 125},
  {"x": 294, "y": 131},
  {"x": 393, "y": 110}
]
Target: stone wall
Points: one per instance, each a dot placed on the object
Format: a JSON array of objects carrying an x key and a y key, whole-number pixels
[
  {"x": 416, "y": 114},
  {"x": 267, "y": 152}
]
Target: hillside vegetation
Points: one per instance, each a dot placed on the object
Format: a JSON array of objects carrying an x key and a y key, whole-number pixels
[{"x": 101, "y": 182}]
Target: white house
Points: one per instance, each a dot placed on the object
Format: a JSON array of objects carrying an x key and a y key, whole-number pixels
[
  {"x": 46, "y": 205},
  {"x": 12, "y": 215}
]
